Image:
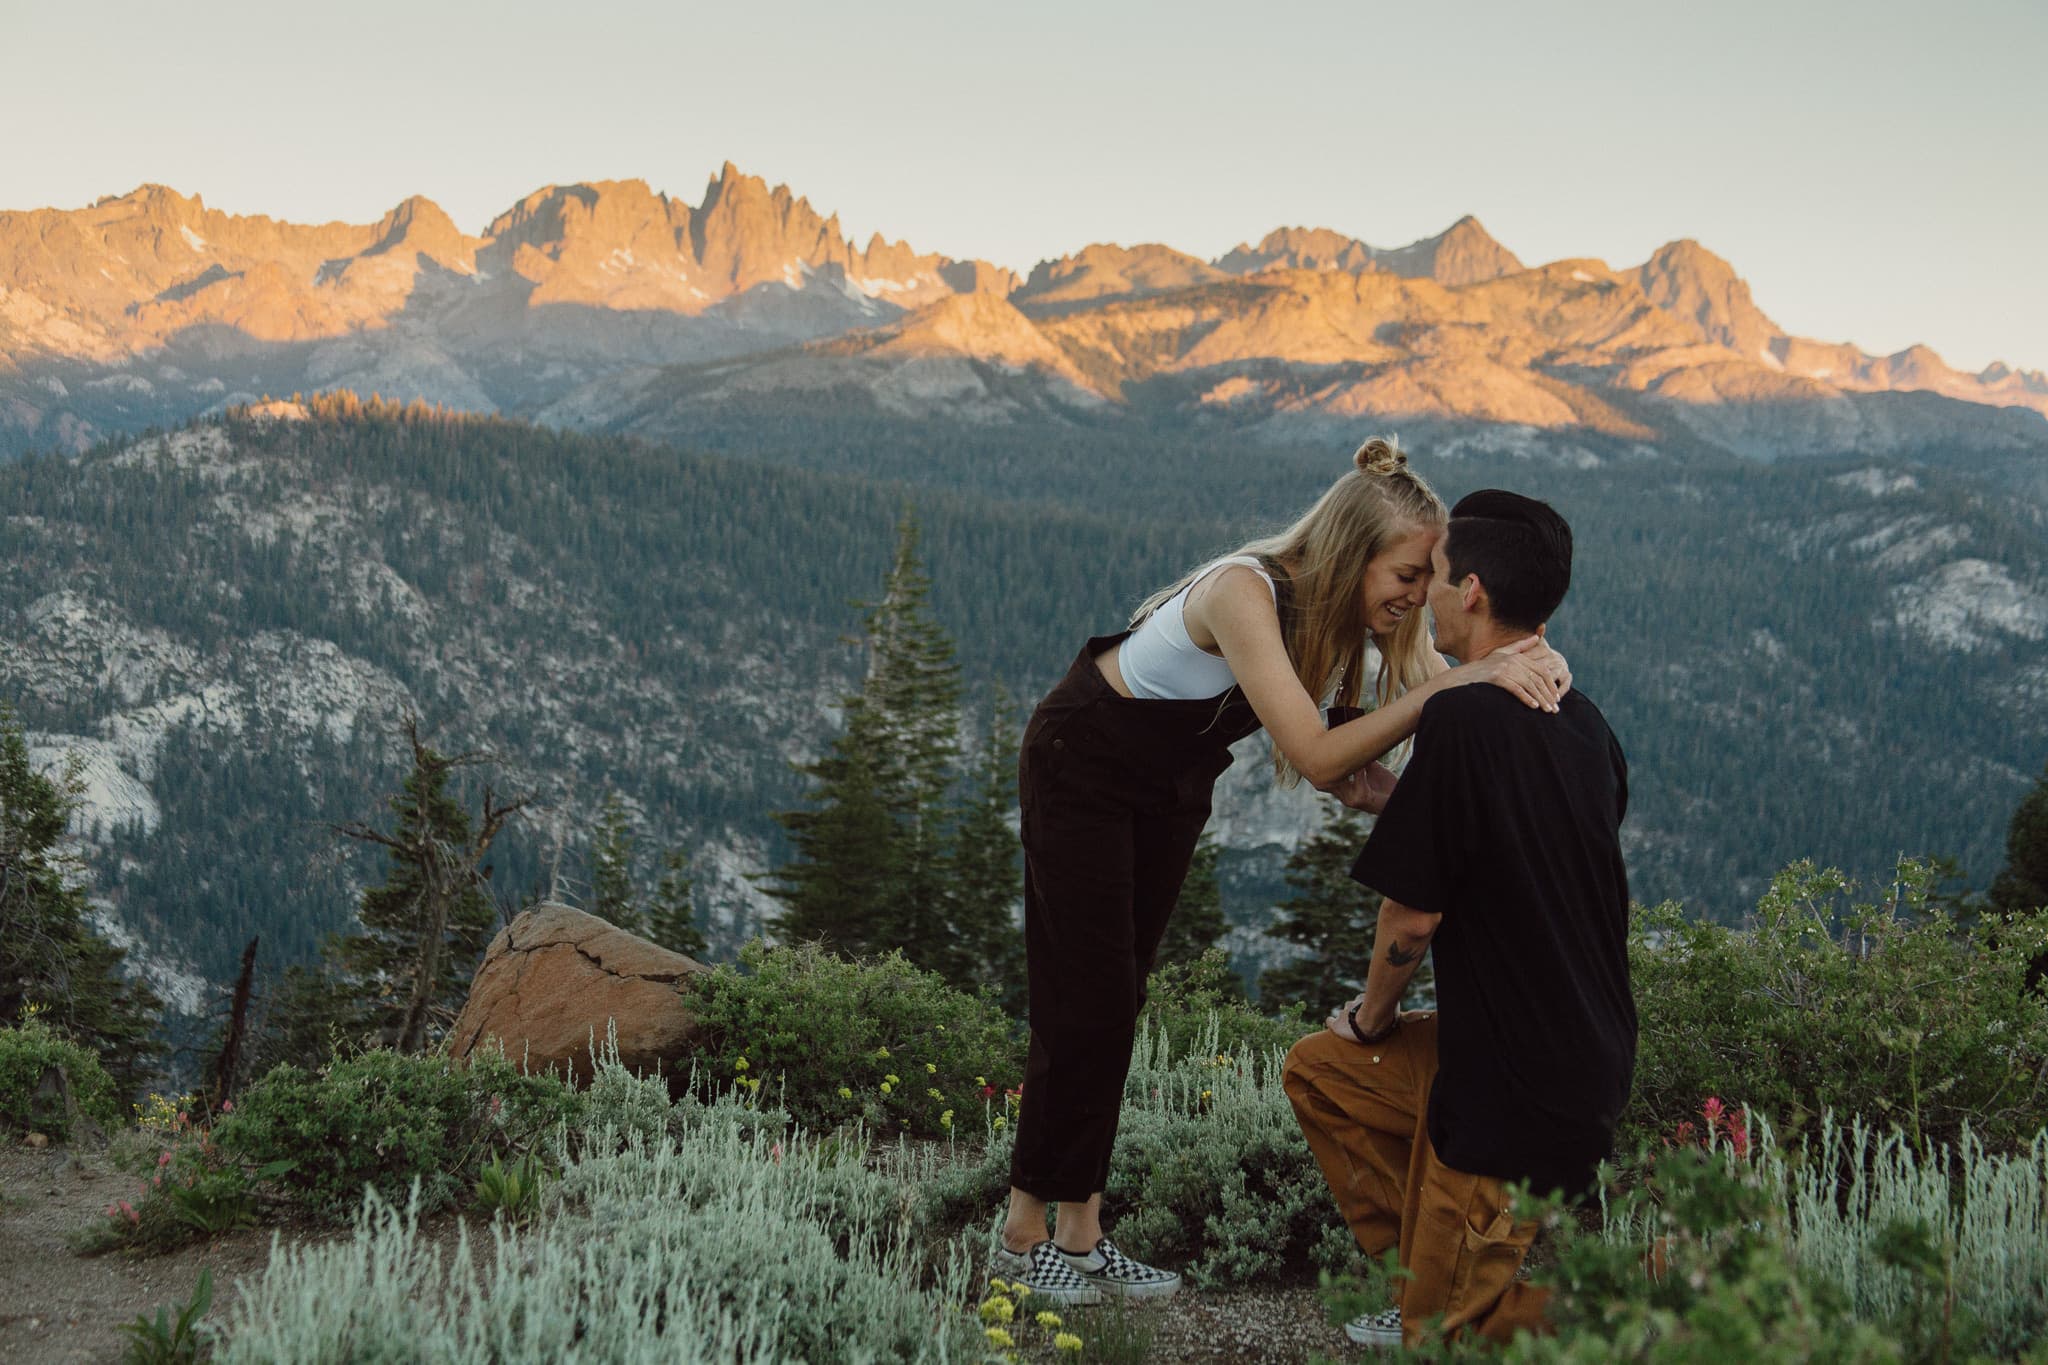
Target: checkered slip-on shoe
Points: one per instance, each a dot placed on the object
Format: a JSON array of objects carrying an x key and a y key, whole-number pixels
[
  {"x": 1381, "y": 1331},
  {"x": 1045, "y": 1272},
  {"x": 1117, "y": 1274}
]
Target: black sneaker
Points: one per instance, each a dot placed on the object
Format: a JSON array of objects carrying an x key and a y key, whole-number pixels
[
  {"x": 1044, "y": 1272},
  {"x": 1381, "y": 1331},
  {"x": 1115, "y": 1273}
]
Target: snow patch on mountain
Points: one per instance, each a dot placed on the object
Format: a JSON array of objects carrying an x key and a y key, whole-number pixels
[{"x": 1968, "y": 604}]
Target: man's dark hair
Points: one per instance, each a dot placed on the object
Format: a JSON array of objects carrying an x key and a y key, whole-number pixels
[{"x": 1520, "y": 548}]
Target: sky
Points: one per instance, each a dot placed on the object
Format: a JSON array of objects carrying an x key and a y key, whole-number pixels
[{"x": 1875, "y": 170}]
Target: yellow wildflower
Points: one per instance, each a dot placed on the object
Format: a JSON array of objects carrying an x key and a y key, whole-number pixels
[
  {"x": 996, "y": 1286},
  {"x": 845, "y": 1092},
  {"x": 931, "y": 1068},
  {"x": 882, "y": 1053},
  {"x": 740, "y": 1065},
  {"x": 998, "y": 1338},
  {"x": 946, "y": 1119},
  {"x": 1047, "y": 1320},
  {"x": 981, "y": 1080},
  {"x": 935, "y": 1094},
  {"x": 998, "y": 1309},
  {"x": 1022, "y": 1291},
  {"x": 1000, "y": 1121},
  {"x": 886, "y": 1087},
  {"x": 1067, "y": 1341},
  {"x": 893, "y": 1079}
]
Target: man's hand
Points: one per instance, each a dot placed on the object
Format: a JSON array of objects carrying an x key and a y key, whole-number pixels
[{"x": 1368, "y": 789}]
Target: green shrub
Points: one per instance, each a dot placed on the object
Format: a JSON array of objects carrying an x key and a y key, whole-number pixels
[
  {"x": 877, "y": 1041},
  {"x": 384, "y": 1119},
  {"x": 1889, "y": 1009},
  {"x": 1188, "y": 1002},
  {"x": 26, "y": 1053}
]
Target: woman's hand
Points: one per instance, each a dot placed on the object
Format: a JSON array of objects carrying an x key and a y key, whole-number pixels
[
  {"x": 1368, "y": 789},
  {"x": 1529, "y": 668}
]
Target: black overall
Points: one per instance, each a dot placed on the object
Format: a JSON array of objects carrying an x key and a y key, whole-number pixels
[{"x": 1113, "y": 793}]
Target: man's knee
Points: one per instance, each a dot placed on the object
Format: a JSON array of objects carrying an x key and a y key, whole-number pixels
[{"x": 1313, "y": 1056}]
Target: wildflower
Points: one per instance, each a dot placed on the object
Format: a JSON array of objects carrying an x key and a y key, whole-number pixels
[
  {"x": 999, "y": 1309},
  {"x": 982, "y": 1081},
  {"x": 886, "y": 1087},
  {"x": 1208, "y": 1095},
  {"x": 1067, "y": 1341},
  {"x": 227, "y": 1106},
  {"x": 156, "y": 1182},
  {"x": 754, "y": 1083},
  {"x": 946, "y": 1119},
  {"x": 1712, "y": 1109},
  {"x": 996, "y": 1286},
  {"x": 882, "y": 1053},
  {"x": 988, "y": 1092},
  {"x": 931, "y": 1068},
  {"x": 845, "y": 1092},
  {"x": 934, "y": 1094},
  {"x": 163, "y": 1159},
  {"x": 740, "y": 1065},
  {"x": 1000, "y": 1122},
  {"x": 998, "y": 1338},
  {"x": 940, "y": 1027},
  {"x": 776, "y": 1153},
  {"x": 1022, "y": 1291},
  {"x": 497, "y": 1105},
  {"x": 1048, "y": 1320},
  {"x": 893, "y": 1079}
]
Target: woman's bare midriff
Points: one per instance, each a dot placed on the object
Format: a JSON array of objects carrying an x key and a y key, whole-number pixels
[{"x": 1106, "y": 665}]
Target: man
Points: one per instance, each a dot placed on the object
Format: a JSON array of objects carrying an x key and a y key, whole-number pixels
[{"x": 1499, "y": 848}]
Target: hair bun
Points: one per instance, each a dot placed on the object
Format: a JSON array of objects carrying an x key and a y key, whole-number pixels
[{"x": 1380, "y": 456}]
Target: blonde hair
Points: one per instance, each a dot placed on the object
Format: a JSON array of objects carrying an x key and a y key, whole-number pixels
[{"x": 1327, "y": 550}]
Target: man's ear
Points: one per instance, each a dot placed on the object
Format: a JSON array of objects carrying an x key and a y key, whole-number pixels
[{"x": 1472, "y": 592}]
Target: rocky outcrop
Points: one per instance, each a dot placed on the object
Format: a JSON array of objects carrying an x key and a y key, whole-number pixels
[{"x": 554, "y": 976}]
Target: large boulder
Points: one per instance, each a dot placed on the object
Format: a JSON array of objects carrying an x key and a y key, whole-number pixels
[{"x": 553, "y": 977}]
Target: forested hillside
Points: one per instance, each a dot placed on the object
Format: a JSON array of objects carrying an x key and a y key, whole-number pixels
[{"x": 1832, "y": 659}]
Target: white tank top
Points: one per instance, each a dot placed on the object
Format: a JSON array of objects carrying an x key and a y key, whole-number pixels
[{"x": 1161, "y": 662}]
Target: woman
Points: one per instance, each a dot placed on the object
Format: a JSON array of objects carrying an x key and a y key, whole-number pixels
[{"x": 1118, "y": 765}]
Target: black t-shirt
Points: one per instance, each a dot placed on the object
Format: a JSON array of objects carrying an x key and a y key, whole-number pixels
[{"x": 1506, "y": 822}]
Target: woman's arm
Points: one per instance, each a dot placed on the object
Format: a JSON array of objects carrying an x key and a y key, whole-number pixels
[{"x": 1237, "y": 608}]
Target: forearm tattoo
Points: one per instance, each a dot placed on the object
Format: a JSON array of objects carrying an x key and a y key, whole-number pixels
[{"x": 1404, "y": 957}]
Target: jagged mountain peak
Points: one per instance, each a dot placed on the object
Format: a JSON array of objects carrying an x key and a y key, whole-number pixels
[
  {"x": 1109, "y": 270},
  {"x": 1463, "y": 253},
  {"x": 1685, "y": 278}
]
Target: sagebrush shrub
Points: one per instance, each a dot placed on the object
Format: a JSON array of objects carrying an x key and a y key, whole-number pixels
[
  {"x": 29, "y": 1050},
  {"x": 833, "y": 1041},
  {"x": 724, "y": 1246}
]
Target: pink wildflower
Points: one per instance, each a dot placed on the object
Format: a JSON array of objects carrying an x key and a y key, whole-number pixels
[
  {"x": 1712, "y": 1109},
  {"x": 776, "y": 1152},
  {"x": 163, "y": 1159},
  {"x": 227, "y": 1106}
]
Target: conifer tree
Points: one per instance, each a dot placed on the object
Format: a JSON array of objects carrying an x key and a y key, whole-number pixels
[
  {"x": 613, "y": 897},
  {"x": 1329, "y": 915},
  {"x": 1197, "y": 924},
  {"x": 425, "y": 927},
  {"x": 672, "y": 916},
  {"x": 2023, "y": 883},
  {"x": 988, "y": 873},
  {"x": 841, "y": 888},
  {"x": 872, "y": 853},
  {"x": 49, "y": 952}
]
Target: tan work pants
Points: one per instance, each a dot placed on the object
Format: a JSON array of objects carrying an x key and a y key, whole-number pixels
[{"x": 1364, "y": 1109}]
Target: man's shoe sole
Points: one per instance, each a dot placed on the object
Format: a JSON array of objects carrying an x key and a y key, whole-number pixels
[{"x": 1136, "y": 1291}]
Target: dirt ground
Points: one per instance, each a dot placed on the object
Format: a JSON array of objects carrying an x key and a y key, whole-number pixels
[{"x": 58, "y": 1306}]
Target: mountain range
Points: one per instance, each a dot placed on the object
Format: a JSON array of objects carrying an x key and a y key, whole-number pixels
[{"x": 611, "y": 306}]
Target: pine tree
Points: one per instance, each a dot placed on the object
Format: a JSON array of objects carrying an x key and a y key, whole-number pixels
[
  {"x": 913, "y": 686},
  {"x": 1329, "y": 915},
  {"x": 872, "y": 853},
  {"x": 49, "y": 952},
  {"x": 987, "y": 872},
  {"x": 1197, "y": 923},
  {"x": 426, "y": 926},
  {"x": 841, "y": 888},
  {"x": 613, "y": 897},
  {"x": 2023, "y": 883},
  {"x": 672, "y": 917}
]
